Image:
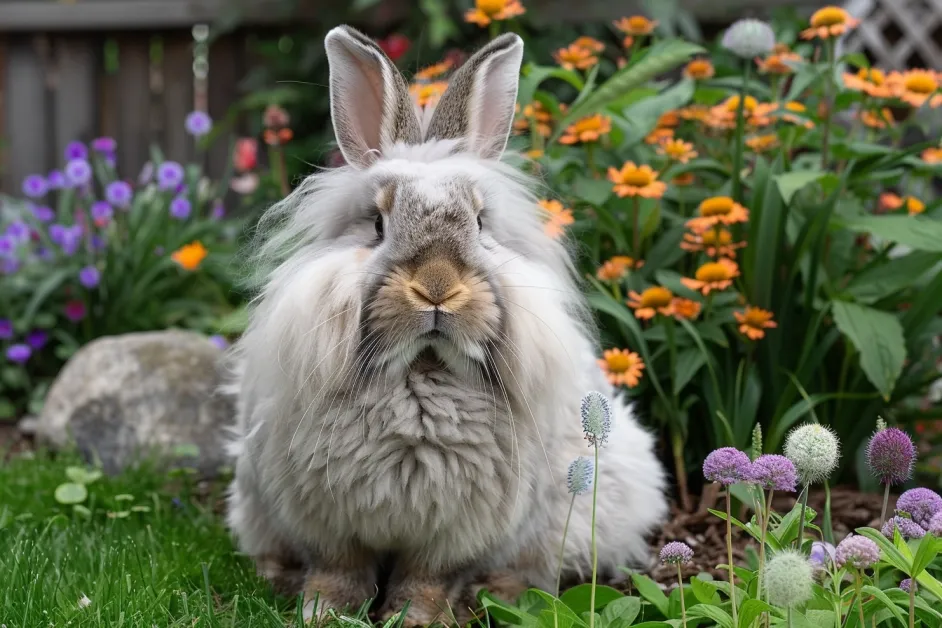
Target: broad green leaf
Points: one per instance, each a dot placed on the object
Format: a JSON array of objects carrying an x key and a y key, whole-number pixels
[
  {"x": 890, "y": 606},
  {"x": 751, "y": 610},
  {"x": 649, "y": 590},
  {"x": 721, "y": 617},
  {"x": 923, "y": 310},
  {"x": 578, "y": 597},
  {"x": 926, "y": 552},
  {"x": 704, "y": 591},
  {"x": 689, "y": 362},
  {"x": 71, "y": 493},
  {"x": 625, "y": 609},
  {"x": 79, "y": 475},
  {"x": 558, "y": 614},
  {"x": 592, "y": 191},
  {"x": 917, "y": 232},
  {"x": 790, "y": 182},
  {"x": 889, "y": 552},
  {"x": 878, "y": 337},
  {"x": 504, "y": 612},
  {"x": 42, "y": 292},
  {"x": 886, "y": 279}
]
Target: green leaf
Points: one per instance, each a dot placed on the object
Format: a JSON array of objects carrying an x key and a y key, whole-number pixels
[
  {"x": 79, "y": 475},
  {"x": 880, "y": 595},
  {"x": 889, "y": 553},
  {"x": 42, "y": 292},
  {"x": 750, "y": 611},
  {"x": 625, "y": 609},
  {"x": 689, "y": 362},
  {"x": 926, "y": 552},
  {"x": 881, "y": 281},
  {"x": 578, "y": 597},
  {"x": 917, "y": 232},
  {"x": 504, "y": 612},
  {"x": 558, "y": 614},
  {"x": 71, "y": 493},
  {"x": 790, "y": 182},
  {"x": 721, "y": 617},
  {"x": 592, "y": 191},
  {"x": 649, "y": 590},
  {"x": 704, "y": 591},
  {"x": 878, "y": 337}
]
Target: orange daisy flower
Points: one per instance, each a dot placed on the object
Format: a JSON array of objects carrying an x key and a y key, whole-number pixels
[
  {"x": 889, "y": 201},
  {"x": 621, "y": 367},
  {"x": 636, "y": 25},
  {"x": 829, "y": 22},
  {"x": 790, "y": 109},
  {"x": 916, "y": 87},
  {"x": 762, "y": 143},
  {"x": 627, "y": 42},
  {"x": 779, "y": 63},
  {"x": 879, "y": 119},
  {"x": 932, "y": 155},
  {"x": 677, "y": 150},
  {"x": 589, "y": 43},
  {"x": 718, "y": 210},
  {"x": 634, "y": 180},
  {"x": 684, "y": 179},
  {"x": 428, "y": 94},
  {"x": 575, "y": 57},
  {"x": 715, "y": 242},
  {"x": 190, "y": 256},
  {"x": 588, "y": 129},
  {"x": 654, "y": 300},
  {"x": 668, "y": 119},
  {"x": 659, "y": 136},
  {"x": 433, "y": 71},
  {"x": 616, "y": 268},
  {"x": 914, "y": 205},
  {"x": 559, "y": 217},
  {"x": 753, "y": 321},
  {"x": 699, "y": 70},
  {"x": 687, "y": 309},
  {"x": 871, "y": 81},
  {"x": 539, "y": 114},
  {"x": 487, "y": 11},
  {"x": 712, "y": 276},
  {"x": 697, "y": 113}
]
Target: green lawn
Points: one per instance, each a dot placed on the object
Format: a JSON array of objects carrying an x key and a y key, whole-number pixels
[{"x": 148, "y": 551}]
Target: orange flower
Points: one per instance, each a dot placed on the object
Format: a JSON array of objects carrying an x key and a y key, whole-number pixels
[
  {"x": 589, "y": 43},
  {"x": 686, "y": 178},
  {"x": 779, "y": 63},
  {"x": 277, "y": 138},
  {"x": 428, "y": 94},
  {"x": 916, "y": 87},
  {"x": 539, "y": 114},
  {"x": 699, "y": 70},
  {"x": 715, "y": 242},
  {"x": 932, "y": 155},
  {"x": 685, "y": 308},
  {"x": 890, "y": 201},
  {"x": 731, "y": 104},
  {"x": 559, "y": 217},
  {"x": 433, "y": 71},
  {"x": 634, "y": 180},
  {"x": 534, "y": 153},
  {"x": 627, "y": 42},
  {"x": 718, "y": 210},
  {"x": 762, "y": 143},
  {"x": 711, "y": 276},
  {"x": 659, "y": 136},
  {"x": 871, "y": 81},
  {"x": 793, "y": 107},
  {"x": 487, "y": 11},
  {"x": 829, "y": 22},
  {"x": 914, "y": 205},
  {"x": 616, "y": 268},
  {"x": 668, "y": 119},
  {"x": 575, "y": 57},
  {"x": 655, "y": 300},
  {"x": 588, "y": 129},
  {"x": 636, "y": 25},
  {"x": 723, "y": 115},
  {"x": 698, "y": 113},
  {"x": 677, "y": 150},
  {"x": 753, "y": 321},
  {"x": 879, "y": 119},
  {"x": 621, "y": 367},
  {"x": 190, "y": 256}
]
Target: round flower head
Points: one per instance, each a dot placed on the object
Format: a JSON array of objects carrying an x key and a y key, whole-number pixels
[
  {"x": 18, "y": 231},
  {"x": 6, "y": 328},
  {"x": 43, "y": 213},
  {"x": 198, "y": 123},
  {"x": 75, "y": 150},
  {"x": 891, "y": 455},
  {"x": 19, "y": 353},
  {"x": 104, "y": 145},
  {"x": 596, "y": 414},
  {"x": 169, "y": 175},
  {"x": 788, "y": 579},
  {"x": 749, "y": 38},
  {"x": 773, "y": 472},
  {"x": 858, "y": 552},
  {"x": 726, "y": 465},
  {"x": 935, "y": 525},
  {"x": 180, "y": 208},
  {"x": 119, "y": 194},
  {"x": 78, "y": 172},
  {"x": 908, "y": 529},
  {"x": 75, "y": 311},
  {"x": 579, "y": 477},
  {"x": 676, "y": 553},
  {"x": 814, "y": 450},
  {"x": 101, "y": 212},
  {"x": 906, "y": 584},
  {"x": 921, "y": 504},
  {"x": 219, "y": 341},
  {"x": 89, "y": 277},
  {"x": 56, "y": 180},
  {"x": 35, "y": 186},
  {"x": 37, "y": 339}
]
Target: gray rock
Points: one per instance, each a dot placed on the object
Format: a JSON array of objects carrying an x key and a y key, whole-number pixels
[{"x": 121, "y": 398}]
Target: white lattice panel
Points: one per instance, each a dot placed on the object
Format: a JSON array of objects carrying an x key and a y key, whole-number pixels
[{"x": 897, "y": 34}]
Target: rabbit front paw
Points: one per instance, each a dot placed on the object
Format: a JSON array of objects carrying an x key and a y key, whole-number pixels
[{"x": 327, "y": 589}]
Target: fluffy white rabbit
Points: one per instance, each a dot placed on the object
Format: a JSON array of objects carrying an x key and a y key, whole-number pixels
[{"x": 409, "y": 384}]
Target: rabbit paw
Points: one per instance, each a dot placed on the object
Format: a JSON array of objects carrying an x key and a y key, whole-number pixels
[
  {"x": 335, "y": 590},
  {"x": 428, "y": 603}
]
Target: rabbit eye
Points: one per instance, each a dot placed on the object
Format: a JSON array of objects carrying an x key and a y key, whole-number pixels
[
  {"x": 480, "y": 226},
  {"x": 379, "y": 226}
]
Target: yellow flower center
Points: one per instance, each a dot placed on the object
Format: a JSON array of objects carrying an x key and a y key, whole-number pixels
[
  {"x": 714, "y": 271},
  {"x": 828, "y": 16},
  {"x": 797, "y": 107},
  {"x": 656, "y": 297},
  {"x": 732, "y": 103},
  {"x": 638, "y": 23},
  {"x": 637, "y": 177},
  {"x": 490, "y": 7},
  {"x": 716, "y": 206},
  {"x": 920, "y": 82},
  {"x": 873, "y": 75},
  {"x": 756, "y": 317},
  {"x": 676, "y": 148},
  {"x": 619, "y": 361},
  {"x": 717, "y": 236},
  {"x": 914, "y": 205},
  {"x": 592, "y": 123},
  {"x": 699, "y": 68}
]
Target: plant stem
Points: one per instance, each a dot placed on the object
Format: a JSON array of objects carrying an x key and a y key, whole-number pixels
[
  {"x": 801, "y": 516},
  {"x": 595, "y": 551},
  {"x": 828, "y": 525},
  {"x": 829, "y": 101},
  {"x": 740, "y": 131},
  {"x": 789, "y": 617},
  {"x": 766, "y": 514},
  {"x": 680, "y": 469},
  {"x": 562, "y": 549},
  {"x": 635, "y": 232},
  {"x": 912, "y": 603},
  {"x": 590, "y": 158},
  {"x": 729, "y": 556},
  {"x": 683, "y": 604},
  {"x": 857, "y": 591},
  {"x": 886, "y": 499}
]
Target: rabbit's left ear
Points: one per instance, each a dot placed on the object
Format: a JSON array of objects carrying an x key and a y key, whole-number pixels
[{"x": 478, "y": 105}]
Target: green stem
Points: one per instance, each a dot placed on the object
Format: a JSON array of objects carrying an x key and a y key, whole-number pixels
[
  {"x": 595, "y": 551},
  {"x": 801, "y": 516},
  {"x": 859, "y": 594},
  {"x": 729, "y": 556},
  {"x": 886, "y": 499},
  {"x": 590, "y": 157},
  {"x": 789, "y": 617},
  {"x": 828, "y": 525},
  {"x": 562, "y": 549},
  {"x": 766, "y": 514},
  {"x": 740, "y": 131},
  {"x": 912, "y": 603},
  {"x": 635, "y": 231},
  {"x": 683, "y": 604},
  {"x": 829, "y": 100},
  {"x": 494, "y": 29}
]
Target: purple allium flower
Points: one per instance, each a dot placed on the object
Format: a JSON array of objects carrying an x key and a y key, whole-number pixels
[
  {"x": 42, "y": 213},
  {"x": 101, "y": 212},
  {"x": 75, "y": 311},
  {"x": 78, "y": 172},
  {"x": 169, "y": 175},
  {"x": 905, "y": 584},
  {"x": 68, "y": 238},
  {"x": 18, "y": 231},
  {"x": 104, "y": 145},
  {"x": 822, "y": 555},
  {"x": 35, "y": 186},
  {"x": 119, "y": 194},
  {"x": 580, "y": 475},
  {"x": 774, "y": 472},
  {"x": 857, "y": 551},
  {"x": 198, "y": 123},
  {"x": 7, "y": 246},
  {"x": 908, "y": 529},
  {"x": 935, "y": 525},
  {"x": 596, "y": 412},
  {"x": 180, "y": 208},
  {"x": 726, "y": 465},
  {"x": 147, "y": 174},
  {"x": 891, "y": 455},
  {"x": 19, "y": 353},
  {"x": 676, "y": 553},
  {"x": 219, "y": 210},
  {"x": 6, "y": 328},
  {"x": 37, "y": 339},
  {"x": 920, "y": 503},
  {"x": 56, "y": 180},
  {"x": 75, "y": 150},
  {"x": 89, "y": 277}
]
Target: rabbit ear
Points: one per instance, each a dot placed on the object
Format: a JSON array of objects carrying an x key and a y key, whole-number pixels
[
  {"x": 478, "y": 105},
  {"x": 369, "y": 101}
]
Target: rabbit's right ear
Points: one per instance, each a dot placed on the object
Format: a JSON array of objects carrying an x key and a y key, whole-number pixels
[{"x": 369, "y": 102}]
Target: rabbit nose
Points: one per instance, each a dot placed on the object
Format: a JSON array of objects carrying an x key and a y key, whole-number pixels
[{"x": 436, "y": 285}]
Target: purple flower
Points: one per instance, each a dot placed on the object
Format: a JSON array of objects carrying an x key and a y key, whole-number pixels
[
  {"x": 219, "y": 341},
  {"x": 9, "y": 266},
  {"x": 43, "y": 253},
  {"x": 147, "y": 174},
  {"x": 726, "y": 465},
  {"x": 908, "y": 529},
  {"x": 35, "y": 186},
  {"x": 198, "y": 123},
  {"x": 56, "y": 180},
  {"x": 7, "y": 247},
  {"x": 773, "y": 472},
  {"x": 104, "y": 145},
  {"x": 98, "y": 242},
  {"x": 676, "y": 553},
  {"x": 101, "y": 212},
  {"x": 89, "y": 277},
  {"x": 180, "y": 208},
  {"x": 18, "y": 231},
  {"x": 822, "y": 555},
  {"x": 891, "y": 455},
  {"x": 75, "y": 150},
  {"x": 857, "y": 551},
  {"x": 920, "y": 504},
  {"x": 935, "y": 525},
  {"x": 78, "y": 172},
  {"x": 119, "y": 194},
  {"x": 43, "y": 213},
  {"x": 19, "y": 353},
  {"x": 169, "y": 175},
  {"x": 75, "y": 311},
  {"x": 219, "y": 211},
  {"x": 68, "y": 238},
  {"x": 37, "y": 339},
  {"x": 905, "y": 584},
  {"x": 6, "y": 328}
]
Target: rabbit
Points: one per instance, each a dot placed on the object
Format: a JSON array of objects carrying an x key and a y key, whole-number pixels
[{"x": 410, "y": 379}]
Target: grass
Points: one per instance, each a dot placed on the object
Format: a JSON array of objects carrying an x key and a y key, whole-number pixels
[{"x": 150, "y": 551}]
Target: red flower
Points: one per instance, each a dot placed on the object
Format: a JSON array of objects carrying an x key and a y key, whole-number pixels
[
  {"x": 245, "y": 156},
  {"x": 395, "y": 46},
  {"x": 275, "y": 117},
  {"x": 75, "y": 311}
]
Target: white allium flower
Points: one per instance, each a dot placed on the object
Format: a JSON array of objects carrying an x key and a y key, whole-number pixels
[
  {"x": 815, "y": 451},
  {"x": 788, "y": 579},
  {"x": 749, "y": 38}
]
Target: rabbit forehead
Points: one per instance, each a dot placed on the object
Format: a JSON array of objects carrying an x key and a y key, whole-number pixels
[{"x": 435, "y": 184}]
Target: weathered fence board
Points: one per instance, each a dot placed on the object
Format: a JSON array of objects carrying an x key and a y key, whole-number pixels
[
  {"x": 73, "y": 73},
  {"x": 25, "y": 96},
  {"x": 134, "y": 101}
]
